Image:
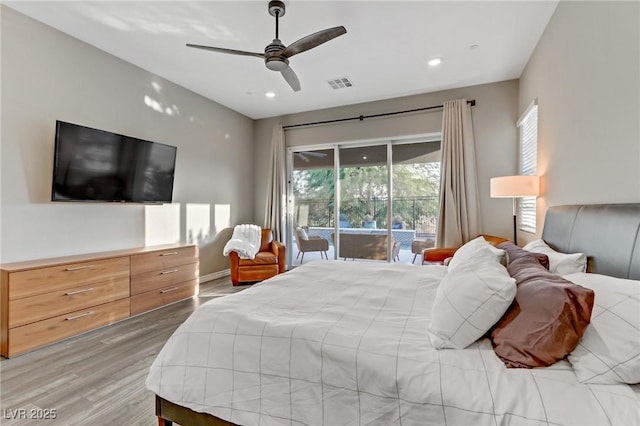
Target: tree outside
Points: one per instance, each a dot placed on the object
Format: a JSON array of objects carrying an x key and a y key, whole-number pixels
[{"x": 364, "y": 195}]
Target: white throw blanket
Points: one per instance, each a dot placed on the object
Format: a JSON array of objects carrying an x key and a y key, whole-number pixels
[{"x": 245, "y": 241}]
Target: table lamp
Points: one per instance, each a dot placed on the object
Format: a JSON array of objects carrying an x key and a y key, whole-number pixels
[{"x": 515, "y": 187}]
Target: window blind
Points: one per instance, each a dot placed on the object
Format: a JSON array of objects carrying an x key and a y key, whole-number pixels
[{"x": 528, "y": 130}]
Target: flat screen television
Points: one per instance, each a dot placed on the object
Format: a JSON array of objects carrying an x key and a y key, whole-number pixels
[{"x": 99, "y": 166}]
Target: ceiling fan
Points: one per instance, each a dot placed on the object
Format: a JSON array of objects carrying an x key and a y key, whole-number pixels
[{"x": 276, "y": 55}]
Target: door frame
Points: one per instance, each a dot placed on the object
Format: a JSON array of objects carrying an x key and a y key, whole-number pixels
[{"x": 389, "y": 142}]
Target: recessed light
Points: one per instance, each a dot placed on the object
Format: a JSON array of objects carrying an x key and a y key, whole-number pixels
[
  {"x": 364, "y": 157},
  {"x": 270, "y": 94},
  {"x": 435, "y": 62},
  {"x": 473, "y": 47}
]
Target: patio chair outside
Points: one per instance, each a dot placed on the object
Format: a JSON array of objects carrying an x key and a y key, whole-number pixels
[{"x": 308, "y": 243}]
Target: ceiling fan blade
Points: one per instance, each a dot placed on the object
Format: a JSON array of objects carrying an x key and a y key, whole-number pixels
[
  {"x": 303, "y": 157},
  {"x": 313, "y": 40},
  {"x": 315, "y": 154},
  {"x": 291, "y": 78},
  {"x": 222, "y": 50}
]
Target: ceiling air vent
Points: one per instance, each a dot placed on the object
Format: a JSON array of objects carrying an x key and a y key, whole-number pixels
[{"x": 340, "y": 83}]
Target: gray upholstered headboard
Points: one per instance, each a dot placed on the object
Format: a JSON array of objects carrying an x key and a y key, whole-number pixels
[{"x": 609, "y": 234}]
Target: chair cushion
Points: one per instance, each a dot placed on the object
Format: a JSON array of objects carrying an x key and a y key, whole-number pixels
[
  {"x": 257, "y": 273},
  {"x": 262, "y": 258},
  {"x": 302, "y": 234}
]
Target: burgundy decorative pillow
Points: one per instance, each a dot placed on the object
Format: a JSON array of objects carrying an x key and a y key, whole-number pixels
[
  {"x": 514, "y": 253},
  {"x": 546, "y": 320}
]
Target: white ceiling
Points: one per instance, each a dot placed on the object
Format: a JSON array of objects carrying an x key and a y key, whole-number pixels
[{"x": 384, "y": 52}]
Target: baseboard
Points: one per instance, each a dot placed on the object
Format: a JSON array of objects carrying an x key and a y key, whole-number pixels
[{"x": 215, "y": 275}]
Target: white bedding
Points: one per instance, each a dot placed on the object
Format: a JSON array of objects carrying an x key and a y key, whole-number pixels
[{"x": 346, "y": 343}]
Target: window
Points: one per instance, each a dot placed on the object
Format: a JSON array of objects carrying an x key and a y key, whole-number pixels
[
  {"x": 528, "y": 129},
  {"x": 389, "y": 185}
]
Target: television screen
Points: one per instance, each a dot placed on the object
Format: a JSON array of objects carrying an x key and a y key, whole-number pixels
[{"x": 96, "y": 165}]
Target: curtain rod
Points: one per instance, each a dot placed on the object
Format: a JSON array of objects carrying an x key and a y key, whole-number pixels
[{"x": 471, "y": 102}]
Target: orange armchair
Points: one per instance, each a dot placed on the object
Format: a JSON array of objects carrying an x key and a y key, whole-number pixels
[
  {"x": 440, "y": 254},
  {"x": 269, "y": 261}
]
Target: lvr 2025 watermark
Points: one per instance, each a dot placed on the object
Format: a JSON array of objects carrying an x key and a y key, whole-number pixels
[{"x": 29, "y": 414}]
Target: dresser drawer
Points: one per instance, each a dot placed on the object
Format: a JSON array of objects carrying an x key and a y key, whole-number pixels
[
  {"x": 155, "y": 280},
  {"x": 156, "y": 298},
  {"x": 30, "y": 309},
  {"x": 61, "y": 277},
  {"x": 30, "y": 336},
  {"x": 162, "y": 259}
]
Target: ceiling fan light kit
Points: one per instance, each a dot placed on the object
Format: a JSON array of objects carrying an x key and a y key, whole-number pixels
[{"x": 276, "y": 55}]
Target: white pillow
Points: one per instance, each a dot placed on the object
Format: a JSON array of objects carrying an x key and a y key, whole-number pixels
[
  {"x": 559, "y": 263},
  {"x": 469, "y": 301},
  {"x": 609, "y": 351},
  {"x": 470, "y": 249},
  {"x": 302, "y": 234}
]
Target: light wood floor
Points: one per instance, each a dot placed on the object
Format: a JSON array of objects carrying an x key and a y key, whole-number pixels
[{"x": 97, "y": 378}]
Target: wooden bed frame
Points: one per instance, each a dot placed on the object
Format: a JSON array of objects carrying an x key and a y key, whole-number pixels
[
  {"x": 608, "y": 233},
  {"x": 168, "y": 412}
]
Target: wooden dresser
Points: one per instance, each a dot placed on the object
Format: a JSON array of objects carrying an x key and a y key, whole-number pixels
[
  {"x": 47, "y": 300},
  {"x": 162, "y": 277}
]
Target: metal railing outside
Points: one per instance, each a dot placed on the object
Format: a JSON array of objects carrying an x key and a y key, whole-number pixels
[{"x": 418, "y": 213}]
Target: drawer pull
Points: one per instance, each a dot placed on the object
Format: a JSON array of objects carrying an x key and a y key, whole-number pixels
[
  {"x": 75, "y": 317},
  {"x": 71, "y": 293},
  {"x": 171, "y": 253},
  {"x": 78, "y": 268},
  {"x": 168, "y": 290},
  {"x": 168, "y": 272}
]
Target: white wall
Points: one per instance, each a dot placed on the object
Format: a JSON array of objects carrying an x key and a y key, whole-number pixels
[
  {"x": 585, "y": 73},
  {"x": 494, "y": 120},
  {"x": 47, "y": 75}
]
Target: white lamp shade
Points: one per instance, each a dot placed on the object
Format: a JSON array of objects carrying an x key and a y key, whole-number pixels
[{"x": 515, "y": 186}]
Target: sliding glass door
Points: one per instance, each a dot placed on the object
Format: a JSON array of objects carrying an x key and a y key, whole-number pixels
[
  {"x": 377, "y": 202},
  {"x": 363, "y": 212},
  {"x": 313, "y": 204},
  {"x": 415, "y": 197}
]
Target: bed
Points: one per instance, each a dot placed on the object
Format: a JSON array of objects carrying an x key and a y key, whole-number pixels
[{"x": 346, "y": 343}]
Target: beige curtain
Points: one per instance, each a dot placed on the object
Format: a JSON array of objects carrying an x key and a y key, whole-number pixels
[
  {"x": 459, "y": 215},
  {"x": 274, "y": 217}
]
